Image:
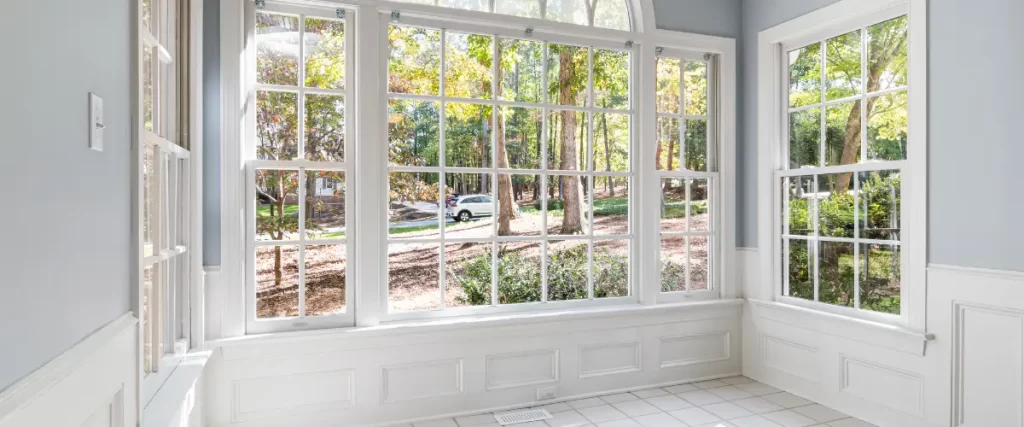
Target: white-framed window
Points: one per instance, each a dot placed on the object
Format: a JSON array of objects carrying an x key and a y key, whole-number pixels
[
  {"x": 298, "y": 189},
  {"x": 612, "y": 14},
  {"x": 513, "y": 154},
  {"x": 687, "y": 162},
  {"x": 839, "y": 184},
  {"x": 495, "y": 163},
  {"x": 165, "y": 192}
]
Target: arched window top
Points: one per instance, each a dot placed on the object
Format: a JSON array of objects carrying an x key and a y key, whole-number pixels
[{"x": 612, "y": 14}]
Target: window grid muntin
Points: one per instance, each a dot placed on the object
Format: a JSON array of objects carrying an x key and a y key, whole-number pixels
[
  {"x": 590, "y": 9},
  {"x": 787, "y": 172},
  {"x": 544, "y": 172},
  {"x": 301, "y": 166},
  {"x": 688, "y": 176}
]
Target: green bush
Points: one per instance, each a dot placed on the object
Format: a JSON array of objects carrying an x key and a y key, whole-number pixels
[{"x": 553, "y": 204}]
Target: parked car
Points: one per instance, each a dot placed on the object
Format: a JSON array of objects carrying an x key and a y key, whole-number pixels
[{"x": 465, "y": 208}]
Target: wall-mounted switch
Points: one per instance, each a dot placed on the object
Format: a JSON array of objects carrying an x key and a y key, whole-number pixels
[{"x": 96, "y": 125}]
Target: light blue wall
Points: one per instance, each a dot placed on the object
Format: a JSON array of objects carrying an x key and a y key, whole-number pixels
[
  {"x": 975, "y": 58},
  {"x": 712, "y": 17},
  {"x": 66, "y": 217}
]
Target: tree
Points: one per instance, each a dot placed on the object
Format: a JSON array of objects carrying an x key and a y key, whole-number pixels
[{"x": 567, "y": 87}]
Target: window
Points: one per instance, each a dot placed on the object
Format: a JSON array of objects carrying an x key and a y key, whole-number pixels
[
  {"x": 166, "y": 191},
  {"x": 535, "y": 137},
  {"x": 688, "y": 171},
  {"x": 843, "y": 164},
  {"x": 298, "y": 187},
  {"x": 611, "y": 14}
]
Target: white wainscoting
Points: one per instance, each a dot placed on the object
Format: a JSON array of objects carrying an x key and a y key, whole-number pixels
[
  {"x": 383, "y": 375},
  {"x": 93, "y": 384},
  {"x": 971, "y": 370}
]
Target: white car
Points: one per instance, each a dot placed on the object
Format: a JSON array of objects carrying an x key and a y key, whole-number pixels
[{"x": 465, "y": 208}]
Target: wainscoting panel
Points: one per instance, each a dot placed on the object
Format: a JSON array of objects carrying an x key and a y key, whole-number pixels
[
  {"x": 93, "y": 384},
  {"x": 388, "y": 375}
]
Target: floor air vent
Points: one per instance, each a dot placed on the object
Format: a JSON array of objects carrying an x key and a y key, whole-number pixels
[{"x": 523, "y": 416}]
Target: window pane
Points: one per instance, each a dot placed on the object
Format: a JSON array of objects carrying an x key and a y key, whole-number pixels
[
  {"x": 880, "y": 278},
  {"x": 696, "y": 75},
  {"x": 277, "y": 49},
  {"x": 842, "y": 142},
  {"x": 668, "y": 85},
  {"x": 147, "y": 89},
  {"x": 567, "y": 140},
  {"x": 277, "y": 205},
  {"x": 149, "y": 220},
  {"x": 325, "y": 53},
  {"x": 524, "y": 217},
  {"x": 414, "y": 132},
  {"x": 147, "y": 15},
  {"x": 568, "y": 270},
  {"x": 147, "y": 321},
  {"x": 611, "y": 14},
  {"x": 611, "y": 142},
  {"x": 277, "y": 281},
  {"x": 699, "y": 252},
  {"x": 468, "y": 65},
  {"x": 276, "y": 125},
  {"x": 413, "y": 209},
  {"x": 880, "y": 205},
  {"x": 467, "y": 135},
  {"x": 887, "y": 127},
  {"x": 804, "y": 138},
  {"x": 611, "y": 79},
  {"x": 520, "y": 148},
  {"x": 700, "y": 205},
  {"x": 469, "y": 211},
  {"x": 805, "y": 76},
  {"x": 326, "y": 270},
  {"x": 611, "y": 268},
  {"x": 519, "y": 272},
  {"x": 567, "y": 209},
  {"x": 325, "y": 128},
  {"x": 673, "y": 264},
  {"x": 673, "y": 204},
  {"x": 835, "y": 205},
  {"x": 325, "y": 204},
  {"x": 668, "y": 144},
  {"x": 413, "y": 277},
  {"x": 835, "y": 273},
  {"x": 611, "y": 205},
  {"x": 414, "y": 65},
  {"x": 887, "y": 54},
  {"x": 568, "y": 11},
  {"x": 800, "y": 270},
  {"x": 521, "y": 69},
  {"x": 468, "y": 274},
  {"x": 567, "y": 74},
  {"x": 801, "y": 190},
  {"x": 842, "y": 66},
  {"x": 522, "y": 8},
  {"x": 477, "y": 5},
  {"x": 696, "y": 145}
]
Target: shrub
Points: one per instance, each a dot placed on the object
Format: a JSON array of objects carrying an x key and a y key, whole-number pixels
[{"x": 553, "y": 204}]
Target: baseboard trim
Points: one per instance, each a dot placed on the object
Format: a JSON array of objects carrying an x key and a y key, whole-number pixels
[{"x": 23, "y": 392}]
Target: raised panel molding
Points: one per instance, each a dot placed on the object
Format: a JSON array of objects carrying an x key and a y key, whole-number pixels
[
  {"x": 885, "y": 385},
  {"x": 692, "y": 349},
  {"x": 509, "y": 370},
  {"x": 422, "y": 380},
  {"x": 598, "y": 360},
  {"x": 790, "y": 357},
  {"x": 288, "y": 395},
  {"x": 988, "y": 366}
]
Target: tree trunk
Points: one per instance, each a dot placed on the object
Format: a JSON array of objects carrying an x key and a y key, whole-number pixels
[
  {"x": 506, "y": 207},
  {"x": 572, "y": 220},
  {"x": 281, "y": 194},
  {"x": 607, "y": 152}
]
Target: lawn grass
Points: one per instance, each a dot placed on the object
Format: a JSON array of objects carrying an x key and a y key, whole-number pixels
[{"x": 289, "y": 210}]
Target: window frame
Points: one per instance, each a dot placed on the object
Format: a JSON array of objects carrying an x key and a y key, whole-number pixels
[
  {"x": 300, "y": 165},
  {"x": 229, "y": 307},
  {"x": 773, "y": 76}
]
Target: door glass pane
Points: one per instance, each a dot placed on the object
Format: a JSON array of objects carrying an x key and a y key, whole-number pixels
[
  {"x": 277, "y": 281},
  {"x": 277, "y": 49},
  {"x": 324, "y": 41}
]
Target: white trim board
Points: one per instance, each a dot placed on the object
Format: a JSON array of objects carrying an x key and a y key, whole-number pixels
[{"x": 95, "y": 375}]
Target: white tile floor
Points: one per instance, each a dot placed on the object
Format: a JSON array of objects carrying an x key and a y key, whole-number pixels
[{"x": 730, "y": 402}]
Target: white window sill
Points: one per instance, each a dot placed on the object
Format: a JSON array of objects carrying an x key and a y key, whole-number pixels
[
  {"x": 885, "y": 335},
  {"x": 472, "y": 323},
  {"x": 169, "y": 399}
]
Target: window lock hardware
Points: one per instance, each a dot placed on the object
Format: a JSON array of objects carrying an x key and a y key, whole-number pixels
[
  {"x": 529, "y": 31},
  {"x": 629, "y": 44},
  {"x": 260, "y": 4},
  {"x": 659, "y": 50},
  {"x": 396, "y": 15},
  {"x": 340, "y": 13}
]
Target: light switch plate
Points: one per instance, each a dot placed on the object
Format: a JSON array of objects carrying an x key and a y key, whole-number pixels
[{"x": 96, "y": 125}]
